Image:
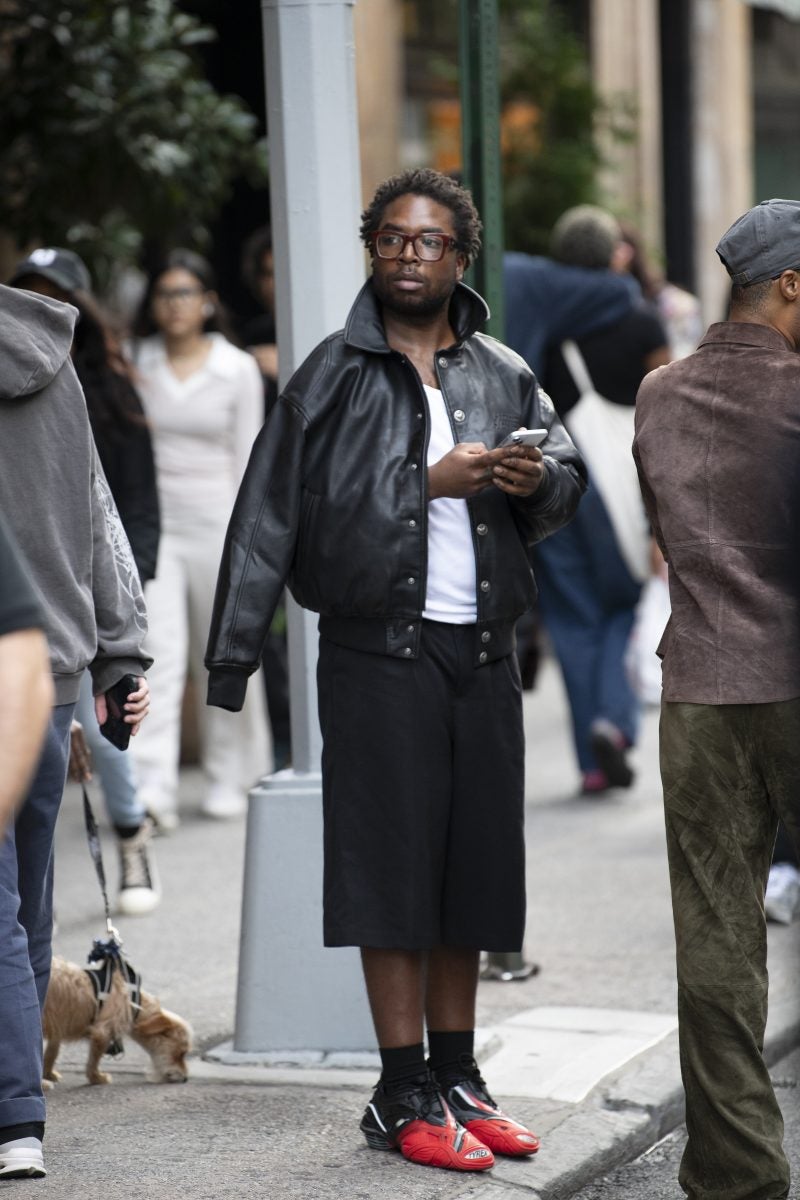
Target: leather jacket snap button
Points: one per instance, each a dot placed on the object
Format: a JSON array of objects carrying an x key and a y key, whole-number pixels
[
  {"x": 459, "y": 415},
  {"x": 482, "y": 529},
  {"x": 485, "y": 585},
  {"x": 482, "y": 657},
  {"x": 486, "y": 636}
]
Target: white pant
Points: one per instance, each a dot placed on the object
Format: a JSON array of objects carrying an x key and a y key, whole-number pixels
[{"x": 234, "y": 746}]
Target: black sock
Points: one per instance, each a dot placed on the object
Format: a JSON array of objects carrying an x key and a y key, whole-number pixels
[
  {"x": 447, "y": 1049},
  {"x": 126, "y": 831},
  {"x": 402, "y": 1064},
  {"x": 12, "y": 1133}
]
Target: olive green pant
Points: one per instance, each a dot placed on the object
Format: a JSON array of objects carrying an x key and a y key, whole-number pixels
[{"x": 729, "y": 772}]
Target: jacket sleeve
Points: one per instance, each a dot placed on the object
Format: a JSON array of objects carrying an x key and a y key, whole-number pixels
[
  {"x": 116, "y": 591},
  {"x": 547, "y": 301},
  {"x": 257, "y": 556},
  {"x": 555, "y": 502},
  {"x": 649, "y": 503},
  {"x": 249, "y": 416},
  {"x": 136, "y": 496}
]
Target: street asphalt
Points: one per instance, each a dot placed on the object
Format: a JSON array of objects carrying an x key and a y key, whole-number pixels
[{"x": 585, "y": 1051}]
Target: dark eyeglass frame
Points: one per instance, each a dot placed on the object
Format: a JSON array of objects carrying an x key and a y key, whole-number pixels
[
  {"x": 179, "y": 295},
  {"x": 448, "y": 243}
]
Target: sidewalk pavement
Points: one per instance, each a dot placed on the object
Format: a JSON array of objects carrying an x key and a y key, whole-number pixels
[{"x": 585, "y": 1052}]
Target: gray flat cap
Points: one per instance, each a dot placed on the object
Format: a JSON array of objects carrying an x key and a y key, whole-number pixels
[{"x": 762, "y": 243}]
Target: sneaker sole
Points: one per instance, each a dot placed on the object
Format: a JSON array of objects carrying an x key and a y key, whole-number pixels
[
  {"x": 504, "y": 1137},
  {"x": 22, "y": 1163},
  {"x": 137, "y": 905},
  {"x": 22, "y": 1173},
  {"x": 430, "y": 1150}
]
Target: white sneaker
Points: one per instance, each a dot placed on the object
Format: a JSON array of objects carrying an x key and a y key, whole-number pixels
[
  {"x": 139, "y": 892},
  {"x": 223, "y": 803},
  {"x": 22, "y": 1159},
  {"x": 782, "y": 899},
  {"x": 164, "y": 820}
]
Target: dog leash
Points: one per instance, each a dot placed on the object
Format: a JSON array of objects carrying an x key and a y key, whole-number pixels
[
  {"x": 106, "y": 954},
  {"x": 93, "y": 837}
]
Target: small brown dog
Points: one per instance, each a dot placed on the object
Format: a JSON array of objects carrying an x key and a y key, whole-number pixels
[{"x": 70, "y": 1014}]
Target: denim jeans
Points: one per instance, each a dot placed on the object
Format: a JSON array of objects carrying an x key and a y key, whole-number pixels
[
  {"x": 115, "y": 767},
  {"x": 26, "y": 923},
  {"x": 729, "y": 771},
  {"x": 587, "y": 599}
]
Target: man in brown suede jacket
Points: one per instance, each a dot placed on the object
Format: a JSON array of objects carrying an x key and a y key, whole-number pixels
[{"x": 718, "y": 450}]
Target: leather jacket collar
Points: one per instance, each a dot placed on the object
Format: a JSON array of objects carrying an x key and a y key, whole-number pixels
[{"x": 364, "y": 328}]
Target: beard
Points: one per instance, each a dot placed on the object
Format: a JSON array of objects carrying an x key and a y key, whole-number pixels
[{"x": 429, "y": 301}]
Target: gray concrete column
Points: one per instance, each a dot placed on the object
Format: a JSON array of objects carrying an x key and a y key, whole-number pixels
[
  {"x": 723, "y": 137},
  {"x": 627, "y": 74},
  {"x": 379, "y": 79},
  {"x": 293, "y": 994}
]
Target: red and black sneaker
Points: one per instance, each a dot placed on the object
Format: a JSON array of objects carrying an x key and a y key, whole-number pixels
[
  {"x": 471, "y": 1104},
  {"x": 417, "y": 1121}
]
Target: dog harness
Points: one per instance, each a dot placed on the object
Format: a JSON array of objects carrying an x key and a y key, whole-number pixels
[{"x": 105, "y": 958}]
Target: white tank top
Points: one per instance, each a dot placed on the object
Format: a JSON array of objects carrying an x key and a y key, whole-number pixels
[{"x": 451, "y": 590}]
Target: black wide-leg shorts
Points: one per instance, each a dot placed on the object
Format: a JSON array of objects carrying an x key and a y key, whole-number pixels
[{"x": 423, "y": 794}]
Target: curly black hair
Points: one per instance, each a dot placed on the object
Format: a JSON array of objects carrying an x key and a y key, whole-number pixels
[{"x": 423, "y": 181}]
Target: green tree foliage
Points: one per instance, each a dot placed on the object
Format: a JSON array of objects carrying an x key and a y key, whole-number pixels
[
  {"x": 108, "y": 131},
  {"x": 544, "y": 64}
]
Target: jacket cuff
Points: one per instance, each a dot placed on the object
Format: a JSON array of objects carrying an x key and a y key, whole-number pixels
[
  {"x": 108, "y": 671},
  {"x": 543, "y": 494},
  {"x": 227, "y": 687}
]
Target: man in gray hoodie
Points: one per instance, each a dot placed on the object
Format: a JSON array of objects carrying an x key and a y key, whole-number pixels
[{"x": 55, "y": 499}]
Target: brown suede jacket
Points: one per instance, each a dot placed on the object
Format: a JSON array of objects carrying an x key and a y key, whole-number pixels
[{"x": 717, "y": 446}]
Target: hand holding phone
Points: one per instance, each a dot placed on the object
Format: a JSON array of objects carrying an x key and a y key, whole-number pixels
[
  {"x": 114, "y": 727},
  {"x": 525, "y": 437}
]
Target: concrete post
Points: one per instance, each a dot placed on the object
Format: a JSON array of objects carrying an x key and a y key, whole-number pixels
[
  {"x": 292, "y": 993},
  {"x": 723, "y": 137},
  {"x": 626, "y": 67}
]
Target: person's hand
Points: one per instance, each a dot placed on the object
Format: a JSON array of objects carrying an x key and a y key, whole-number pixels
[
  {"x": 267, "y": 358},
  {"x": 520, "y": 472},
  {"x": 137, "y": 706},
  {"x": 466, "y": 470},
  {"x": 80, "y": 756}
]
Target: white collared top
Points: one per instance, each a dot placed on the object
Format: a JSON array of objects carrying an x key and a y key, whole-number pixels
[{"x": 203, "y": 428}]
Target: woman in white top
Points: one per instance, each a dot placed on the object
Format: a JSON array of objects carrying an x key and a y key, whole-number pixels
[{"x": 204, "y": 402}]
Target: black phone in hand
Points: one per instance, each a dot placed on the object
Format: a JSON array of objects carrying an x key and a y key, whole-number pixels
[{"x": 114, "y": 727}]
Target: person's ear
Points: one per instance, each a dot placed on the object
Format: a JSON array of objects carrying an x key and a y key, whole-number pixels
[
  {"x": 461, "y": 263},
  {"x": 789, "y": 284}
]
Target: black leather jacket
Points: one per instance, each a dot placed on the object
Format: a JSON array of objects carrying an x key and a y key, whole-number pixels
[{"x": 334, "y": 498}]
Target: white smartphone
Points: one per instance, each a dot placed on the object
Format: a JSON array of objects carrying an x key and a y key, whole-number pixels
[{"x": 525, "y": 437}]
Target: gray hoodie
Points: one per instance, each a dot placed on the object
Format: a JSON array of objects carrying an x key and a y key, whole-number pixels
[{"x": 55, "y": 498}]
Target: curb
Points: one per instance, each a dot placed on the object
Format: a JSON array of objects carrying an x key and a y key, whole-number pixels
[{"x": 620, "y": 1120}]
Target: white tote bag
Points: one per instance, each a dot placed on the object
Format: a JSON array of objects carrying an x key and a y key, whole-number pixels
[{"x": 603, "y": 432}]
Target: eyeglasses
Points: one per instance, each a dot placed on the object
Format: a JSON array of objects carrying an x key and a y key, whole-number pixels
[
  {"x": 428, "y": 247},
  {"x": 177, "y": 295}
]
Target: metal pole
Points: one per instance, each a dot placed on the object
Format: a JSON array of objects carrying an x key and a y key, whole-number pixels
[
  {"x": 480, "y": 140},
  {"x": 293, "y": 994}
]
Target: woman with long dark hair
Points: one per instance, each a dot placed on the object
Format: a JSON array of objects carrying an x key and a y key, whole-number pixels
[{"x": 204, "y": 400}]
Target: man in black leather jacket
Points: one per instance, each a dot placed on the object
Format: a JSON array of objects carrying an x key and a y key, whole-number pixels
[{"x": 379, "y": 490}]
